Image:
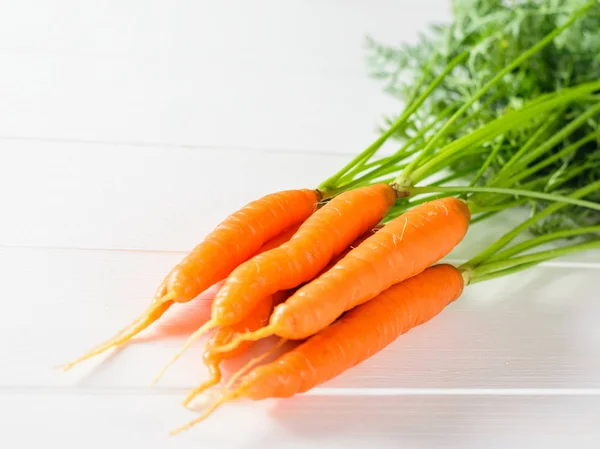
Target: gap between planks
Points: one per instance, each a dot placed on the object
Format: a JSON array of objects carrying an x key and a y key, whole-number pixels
[
  {"x": 180, "y": 146},
  {"x": 390, "y": 392},
  {"x": 554, "y": 264}
]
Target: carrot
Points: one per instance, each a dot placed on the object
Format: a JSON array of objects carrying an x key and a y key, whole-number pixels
[
  {"x": 353, "y": 338},
  {"x": 232, "y": 242},
  {"x": 255, "y": 320},
  {"x": 401, "y": 249},
  {"x": 319, "y": 239}
]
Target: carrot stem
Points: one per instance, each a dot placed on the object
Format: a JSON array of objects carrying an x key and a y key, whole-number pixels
[
  {"x": 487, "y": 162},
  {"x": 452, "y": 177},
  {"x": 501, "y": 180},
  {"x": 511, "y": 235},
  {"x": 521, "y": 174},
  {"x": 497, "y": 207},
  {"x": 386, "y": 162},
  {"x": 399, "y": 155},
  {"x": 497, "y": 274},
  {"x": 494, "y": 128},
  {"x": 556, "y": 138},
  {"x": 529, "y": 143},
  {"x": 541, "y": 256},
  {"x": 540, "y": 240},
  {"x": 483, "y": 216},
  {"x": 508, "y": 191},
  {"x": 367, "y": 153}
]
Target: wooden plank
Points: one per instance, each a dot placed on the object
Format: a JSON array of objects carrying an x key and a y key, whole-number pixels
[
  {"x": 226, "y": 74},
  {"x": 124, "y": 197},
  {"x": 102, "y": 420},
  {"x": 537, "y": 329},
  {"x": 157, "y": 198}
]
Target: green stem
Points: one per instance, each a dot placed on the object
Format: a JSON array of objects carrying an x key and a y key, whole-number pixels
[
  {"x": 468, "y": 151},
  {"x": 540, "y": 240},
  {"x": 509, "y": 121},
  {"x": 482, "y": 108},
  {"x": 573, "y": 172},
  {"x": 383, "y": 163},
  {"x": 490, "y": 130},
  {"x": 509, "y": 68},
  {"x": 500, "y": 207},
  {"x": 477, "y": 137},
  {"x": 483, "y": 216},
  {"x": 530, "y": 142},
  {"x": 366, "y": 179},
  {"x": 497, "y": 274},
  {"x": 506, "y": 191},
  {"x": 555, "y": 157},
  {"x": 421, "y": 82},
  {"x": 533, "y": 258},
  {"x": 539, "y": 183},
  {"x": 554, "y": 140},
  {"x": 367, "y": 153},
  {"x": 366, "y": 183},
  {"x": 511, "y": 235},
  {"x": 452, "y": 176},
  {"x": 348, "y": 177},
  {"x": 399, "y": 155},
  {"x": 388, "y": 170},
  {"x": 487, "y": 162}
]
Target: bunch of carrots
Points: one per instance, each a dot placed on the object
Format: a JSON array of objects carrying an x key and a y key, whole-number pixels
[{"x": 348, "y": 267}]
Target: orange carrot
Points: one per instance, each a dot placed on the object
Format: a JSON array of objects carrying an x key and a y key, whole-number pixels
[
  {"x": 319, "y": 239},
  {"x": 240, "y": 236},
  {"x": 353, "y": 338},
  {"x": 253, "y": 321},
  {"x": 237, "y": 239},
  {"x": 404, "y": 247}
]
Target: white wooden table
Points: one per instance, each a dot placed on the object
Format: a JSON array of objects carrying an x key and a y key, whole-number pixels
[{"x": 128, "y": 129}]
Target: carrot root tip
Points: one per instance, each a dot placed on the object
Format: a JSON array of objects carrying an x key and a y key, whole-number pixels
[
  {"x": 202, "y": 401},
  {"x": 206, "y": 327},
  {"x": 216, "y": 404},
  {"x": 151, "y": 314},
  {"x": 199, "y": 390}
]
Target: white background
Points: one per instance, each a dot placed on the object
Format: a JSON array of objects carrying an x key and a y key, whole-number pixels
[{"x": 128, "y": 129}]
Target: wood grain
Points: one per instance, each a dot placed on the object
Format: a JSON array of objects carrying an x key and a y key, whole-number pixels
[
  {"x": 258, "y": 74},
  {"x": 534, "y": 330},
  {"x": 143, "y": 420}
]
